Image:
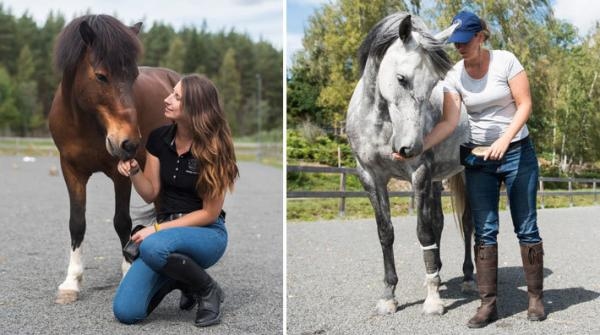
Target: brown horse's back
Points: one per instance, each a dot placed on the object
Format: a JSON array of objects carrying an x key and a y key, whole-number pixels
[{"x": 150, "y": 89}]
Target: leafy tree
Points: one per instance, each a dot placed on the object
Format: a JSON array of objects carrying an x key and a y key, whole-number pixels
[
  {"x": 9, "y": 115},
  {"x": 174, "y": 58},
  {"x": 330, "y": 43},
  {"x": 229, "y": 83},
  {"x": 156, "y": 43}
]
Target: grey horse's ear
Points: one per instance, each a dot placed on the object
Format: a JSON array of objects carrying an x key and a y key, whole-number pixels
[
  {"x": 443, "y": 35},
  {"x": 136, "y": 28},
  {"x": 87, "y": 33},
  {"x": 405, "y": 29}
]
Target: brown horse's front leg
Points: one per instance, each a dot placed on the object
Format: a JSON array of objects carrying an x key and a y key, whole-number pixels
[
  {"x": 122, "y": 218},
  {"x": 378, "y": 195},
  {"x": 68, "y": 290}
]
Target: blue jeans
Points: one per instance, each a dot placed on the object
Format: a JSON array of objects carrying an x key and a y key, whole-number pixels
[
  {"x": 205, "y": 245},
  {"x": 519, "y": 171}
]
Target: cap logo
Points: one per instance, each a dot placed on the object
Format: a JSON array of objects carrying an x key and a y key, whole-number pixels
[{"x": 459, "y": 21}]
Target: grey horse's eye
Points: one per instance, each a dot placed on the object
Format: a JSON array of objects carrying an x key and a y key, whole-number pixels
[{"x": 402, "y": 80}]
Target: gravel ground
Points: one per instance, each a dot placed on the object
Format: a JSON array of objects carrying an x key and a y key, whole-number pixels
[
  {"x": 34, "y": 251},
  {"x": 335, "y": 276}
]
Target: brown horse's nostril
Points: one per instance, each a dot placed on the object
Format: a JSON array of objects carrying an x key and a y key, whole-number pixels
[{"x": 130, "y": 147}]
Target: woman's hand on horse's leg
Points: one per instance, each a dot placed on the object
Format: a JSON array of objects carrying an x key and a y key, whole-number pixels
[{"x": 142, "y": 234}]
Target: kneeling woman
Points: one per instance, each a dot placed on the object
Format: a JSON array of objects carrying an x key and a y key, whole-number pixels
[{"x": 190, "y": 165}]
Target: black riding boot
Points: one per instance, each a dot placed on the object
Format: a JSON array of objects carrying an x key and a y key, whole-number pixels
[
  {"x": 186, "y": 301},
  {"x": 202, "y": 287}
]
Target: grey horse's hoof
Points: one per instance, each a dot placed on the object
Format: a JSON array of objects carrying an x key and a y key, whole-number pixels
[{"x": 468, "y": 286}]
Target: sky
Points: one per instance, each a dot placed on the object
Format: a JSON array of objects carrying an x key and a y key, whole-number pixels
[
  {"x": 298, "y": 12},
  {"x": 260, "y": 19}
]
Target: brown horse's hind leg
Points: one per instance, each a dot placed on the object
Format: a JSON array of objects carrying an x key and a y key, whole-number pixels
[
  {"x": 122, "y": 218},
  {"x": 76, "y": 181}
]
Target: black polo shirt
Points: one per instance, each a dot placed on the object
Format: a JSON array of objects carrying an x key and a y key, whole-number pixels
[{"x": 178, "y": 174}]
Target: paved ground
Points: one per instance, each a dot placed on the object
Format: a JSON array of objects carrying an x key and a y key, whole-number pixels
[
  {"x": 335, "y": 276},
  {"x": 34, "y": 249}
]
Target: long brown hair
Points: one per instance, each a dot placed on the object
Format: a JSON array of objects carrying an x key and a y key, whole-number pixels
[{"x": 212, "y": 142}]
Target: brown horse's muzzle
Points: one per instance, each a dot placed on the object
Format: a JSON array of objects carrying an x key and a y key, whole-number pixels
[
  {"x": 122, "y": 149},
  {"x": 129, "y": 148}
]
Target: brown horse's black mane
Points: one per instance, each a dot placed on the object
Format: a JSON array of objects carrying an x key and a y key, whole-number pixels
[{"x": 116, "y": 47}]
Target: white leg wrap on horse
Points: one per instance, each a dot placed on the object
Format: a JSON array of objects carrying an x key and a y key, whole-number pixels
[
  {"x": 433, "y": 303},
  {"x": 432, "y": 275},
  {"x": 125, "y": 265},
  {"x": 429, "y": 247},
  {"x": 74, "y": 272}
]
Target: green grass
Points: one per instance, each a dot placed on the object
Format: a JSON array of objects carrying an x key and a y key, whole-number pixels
[
  {"x": 360, "y": 208},
  {"x": 320, "y": 182},
  {"x": 41, "y": 147},
  {"x": 315, "y": 209}
]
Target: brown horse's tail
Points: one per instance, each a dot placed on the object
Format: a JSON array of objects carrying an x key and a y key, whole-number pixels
[{"x": 459, "y": 200}]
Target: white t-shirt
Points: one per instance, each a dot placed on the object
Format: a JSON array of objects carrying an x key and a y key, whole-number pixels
[{"x": 489, "y": 101}]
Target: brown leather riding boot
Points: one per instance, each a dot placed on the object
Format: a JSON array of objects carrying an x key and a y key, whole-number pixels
[
  {"x": 533, "y": 265},
  {"x": 486, "y": 263}
]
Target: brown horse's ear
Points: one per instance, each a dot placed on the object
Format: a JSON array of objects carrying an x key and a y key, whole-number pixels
[
  {"x": 136, "y": 28},
  {"x": 404, "y": 31},
  {"x": 87, "y": 34}
]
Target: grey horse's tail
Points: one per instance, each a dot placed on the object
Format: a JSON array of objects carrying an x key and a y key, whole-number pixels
[{"x": 459, "y": 200}]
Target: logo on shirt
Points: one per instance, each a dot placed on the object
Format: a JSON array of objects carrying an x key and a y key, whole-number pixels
[{"x": 192, "y": 166}]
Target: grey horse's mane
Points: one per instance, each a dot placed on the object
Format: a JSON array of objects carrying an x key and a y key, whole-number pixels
[{"x": 385, "y": 32}]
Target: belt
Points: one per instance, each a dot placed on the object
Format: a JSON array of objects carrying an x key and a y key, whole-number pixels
[
  {"x": 173, "y": 216},
  {"x": 515, "y": 144}
]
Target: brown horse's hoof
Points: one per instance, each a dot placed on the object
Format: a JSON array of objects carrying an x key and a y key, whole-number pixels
[
  {"x": 386, "y": 307},
  {"x": 65, "y": 297}
]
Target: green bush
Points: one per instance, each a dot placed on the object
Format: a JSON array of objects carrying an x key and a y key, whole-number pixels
[{"x": 320, "y": 148}]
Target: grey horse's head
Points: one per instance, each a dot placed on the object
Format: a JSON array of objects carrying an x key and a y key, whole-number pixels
[{"x": 411, "y": 61}]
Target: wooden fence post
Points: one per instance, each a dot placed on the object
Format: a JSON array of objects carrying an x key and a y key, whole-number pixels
[
  {"x": 342, "y": 206},
  {"x": 570, "y": 191},
  {"x": 595, "y": 193}
]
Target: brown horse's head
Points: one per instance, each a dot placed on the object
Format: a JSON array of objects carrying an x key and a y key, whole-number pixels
[{"x": 97, "y": 55}]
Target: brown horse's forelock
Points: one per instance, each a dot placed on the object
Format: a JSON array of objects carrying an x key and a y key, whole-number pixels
[{"x": 116, "y": 47}]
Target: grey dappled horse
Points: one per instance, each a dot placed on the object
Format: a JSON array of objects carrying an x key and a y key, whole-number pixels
[{"x": 391, "y": 110}]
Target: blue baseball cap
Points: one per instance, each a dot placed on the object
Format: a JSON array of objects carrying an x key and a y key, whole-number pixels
[{"x": 469, "y": 25}]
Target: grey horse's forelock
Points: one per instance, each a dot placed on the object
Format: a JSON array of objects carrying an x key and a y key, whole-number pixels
[{"x": 385, "y": 32}]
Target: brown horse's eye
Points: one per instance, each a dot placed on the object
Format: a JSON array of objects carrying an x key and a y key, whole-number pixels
[{"x": 101, "y": 77}]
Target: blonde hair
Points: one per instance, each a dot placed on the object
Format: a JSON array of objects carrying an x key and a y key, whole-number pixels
[
  {"x": 212, "y": 142},
  {"x": 484, "y": 29}
]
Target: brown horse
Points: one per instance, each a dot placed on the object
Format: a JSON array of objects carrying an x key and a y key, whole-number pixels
[{"x": 103, "y": 110}]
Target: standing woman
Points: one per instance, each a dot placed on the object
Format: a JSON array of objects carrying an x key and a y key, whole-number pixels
[
  {"x": 190, "y": 165},
  {"x": 494, "y": 88}
]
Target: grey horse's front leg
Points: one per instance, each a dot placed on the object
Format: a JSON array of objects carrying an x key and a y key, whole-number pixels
[
  {"x": 378, "y": 195},
  {"x": 430, "y": 223},
  {"x": 468, "y": 284}
]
